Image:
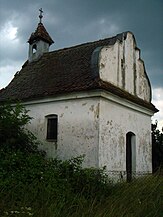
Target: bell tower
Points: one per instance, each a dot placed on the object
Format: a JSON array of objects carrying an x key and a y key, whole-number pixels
[{"x": 39, "y": 41}]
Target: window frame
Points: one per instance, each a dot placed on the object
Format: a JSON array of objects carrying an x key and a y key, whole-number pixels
[{"x": 51, "y": 134}]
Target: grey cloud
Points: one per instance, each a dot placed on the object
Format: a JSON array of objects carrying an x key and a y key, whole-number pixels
[{"x": 75, "y": 21}]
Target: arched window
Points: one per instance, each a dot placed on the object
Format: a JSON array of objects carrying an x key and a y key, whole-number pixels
[
  {"x": 130, "y": 155},
  {"x": 52, "y": 127},
  {"x": 34, "y": 48}
]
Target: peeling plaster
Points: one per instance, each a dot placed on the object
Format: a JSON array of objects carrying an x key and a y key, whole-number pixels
[
  {"x": 121, "y": 65},
  {"x": 113, "y": 130},
  {"x": 77, "y": 128}
]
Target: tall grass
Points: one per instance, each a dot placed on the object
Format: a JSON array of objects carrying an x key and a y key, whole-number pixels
[
  {"x": 143, "y": 197},
  {"x": 33, "y": 186}
]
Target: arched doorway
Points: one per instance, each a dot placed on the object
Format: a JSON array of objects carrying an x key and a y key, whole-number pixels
[{"x": 130, "y": 155}]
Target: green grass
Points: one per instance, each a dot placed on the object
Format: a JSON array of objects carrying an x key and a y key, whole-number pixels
[
  {"x": 33, "y": 186},
  {"x": 143, "y": 197}
]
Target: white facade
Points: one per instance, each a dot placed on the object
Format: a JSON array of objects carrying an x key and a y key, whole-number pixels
[{"x": 95, "y": 125}]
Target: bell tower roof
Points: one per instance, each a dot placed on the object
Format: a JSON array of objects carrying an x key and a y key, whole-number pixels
[{"x": 40, "y": 33}]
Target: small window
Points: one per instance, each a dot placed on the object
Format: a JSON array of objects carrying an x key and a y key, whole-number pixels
[{"x": 52, "y": 127}]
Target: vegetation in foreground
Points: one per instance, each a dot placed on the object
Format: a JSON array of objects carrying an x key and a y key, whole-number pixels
[{"x": 32, "y": 185}]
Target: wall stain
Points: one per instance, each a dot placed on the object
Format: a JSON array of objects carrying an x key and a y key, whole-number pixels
[
  {"x": 84, "y": 104},
  {"x": 61, "y": 115},
  {"x": 91, "y": 108},
  {"x": 102, "y": 65},
  {"x": 96, "y": 111}
]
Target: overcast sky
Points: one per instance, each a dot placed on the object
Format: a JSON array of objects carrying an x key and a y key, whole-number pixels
[{"x": 71, "y": 22}]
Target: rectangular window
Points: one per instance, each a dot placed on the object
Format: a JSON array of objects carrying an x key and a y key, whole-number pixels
[{"x": 52, "y": 127}]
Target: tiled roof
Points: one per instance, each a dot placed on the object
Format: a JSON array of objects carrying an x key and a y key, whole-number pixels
[
  {"x": 64, "y": 71},
  {"x": 40, "y": 33}
]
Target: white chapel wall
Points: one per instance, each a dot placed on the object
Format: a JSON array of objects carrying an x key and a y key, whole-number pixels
[
  {"x": 115, "y": 122},
  {"x": 96, "y": 127},
  {"x": 77, "y": 128}
]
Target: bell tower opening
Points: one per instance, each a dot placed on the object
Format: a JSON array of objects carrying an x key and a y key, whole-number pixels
[{"x": 34, "y": 48}]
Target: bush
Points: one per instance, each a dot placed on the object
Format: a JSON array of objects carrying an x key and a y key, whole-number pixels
[
  {"x": 13, "y": 134},
  {"x": 30, "y": 180},
  {"x": 157, "y": 149},
  {"x": 89, "y": 182}
]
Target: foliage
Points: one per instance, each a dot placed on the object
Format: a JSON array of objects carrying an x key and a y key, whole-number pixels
[
  {"x": 157, "y": 148},
  {"x": 88, "y": 181},
  {"x": 31, "y": 177},
  {"x": 13, "y": 134}
]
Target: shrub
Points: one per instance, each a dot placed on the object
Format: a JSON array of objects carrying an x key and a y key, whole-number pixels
[
  {"x": 13, "y": 134},
  {"x": 157, "y": 149}
]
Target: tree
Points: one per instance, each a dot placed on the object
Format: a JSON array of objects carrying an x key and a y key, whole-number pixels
[
  {"x": 13, "y": 134},
  {"x": 157, "y": 148}
]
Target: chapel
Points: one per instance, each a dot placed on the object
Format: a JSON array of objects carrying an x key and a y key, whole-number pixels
[{"x": 92, "y": 99}]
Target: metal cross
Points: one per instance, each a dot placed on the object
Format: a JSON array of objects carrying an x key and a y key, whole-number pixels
[{"x": 41, "y": 16}]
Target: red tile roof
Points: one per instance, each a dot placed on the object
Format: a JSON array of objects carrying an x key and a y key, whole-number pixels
[
  {"x": 64, "y": 71},
  {"x": 40, "y": 33}
]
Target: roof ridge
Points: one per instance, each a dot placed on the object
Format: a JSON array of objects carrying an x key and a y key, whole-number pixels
[{"x": 118, "y": 36}]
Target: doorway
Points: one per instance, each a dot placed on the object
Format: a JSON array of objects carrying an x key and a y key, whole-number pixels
[{"x": 130, "y": 155}]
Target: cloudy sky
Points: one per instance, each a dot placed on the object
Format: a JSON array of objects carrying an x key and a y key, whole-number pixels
[{"x": 71, "y": 22}]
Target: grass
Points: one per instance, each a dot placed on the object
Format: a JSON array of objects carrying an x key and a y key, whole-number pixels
[
  {"x": 140, "y": 198},
  {"x": 52, "y": 194}
]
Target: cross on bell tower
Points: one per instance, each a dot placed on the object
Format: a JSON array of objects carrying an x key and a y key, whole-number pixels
[{"x": 41, "y": 16}]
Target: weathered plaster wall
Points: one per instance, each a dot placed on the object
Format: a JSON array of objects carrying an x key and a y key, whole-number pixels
[
  {"x": 78, "y": 122},
  {"x": 121, "y": 65},
  {"x": 115, "y": 122},
  {"x": 95, "y": 125}
]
